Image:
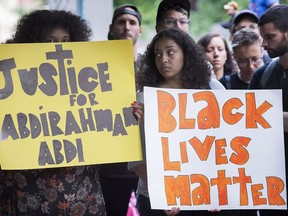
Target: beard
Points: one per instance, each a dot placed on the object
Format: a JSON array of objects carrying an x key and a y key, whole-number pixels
[{"x": 280, "y": 50}]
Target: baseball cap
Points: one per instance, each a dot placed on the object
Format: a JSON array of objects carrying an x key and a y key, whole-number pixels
[
  {"x": 123, "y": 9},
  {"x": 244, "y": 13},
  {"x": 185, "y": 4},
  {"x": 226, "y": 24}
]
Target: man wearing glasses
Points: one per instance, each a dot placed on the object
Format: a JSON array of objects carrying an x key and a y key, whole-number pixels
[
  {"x": 173, "y": 14},
  {"x": 248, "y": 53},
  {"x": 247, "y": 19}
]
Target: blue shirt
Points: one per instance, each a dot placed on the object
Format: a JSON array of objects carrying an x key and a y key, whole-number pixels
[{"x": 260, "y": 6}]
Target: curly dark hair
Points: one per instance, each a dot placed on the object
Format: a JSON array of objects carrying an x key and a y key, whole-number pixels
[
  {"x": 196, "y": 72},
  {"x": 34, "y": 26},
  {"x": 204, "y": 42}
]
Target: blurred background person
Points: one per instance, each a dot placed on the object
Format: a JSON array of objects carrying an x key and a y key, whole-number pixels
[
  {"x": 248, "y": 53},
  {"x": 247, "y": 19},
  {"x": 231, "y": 8},
  {"x": 244, "y": 19},
  {"x": 218, "y": 54},
  {"x": 173, "y": 14},
  {"x": 126, "y": 25}
]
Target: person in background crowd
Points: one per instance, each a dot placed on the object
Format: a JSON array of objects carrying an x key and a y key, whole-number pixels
[
  {"x": 126, "y": 24},
  {"x": 231, "y": 8},
  {"x": 274, "y": 30},
  {"x": 244, "y": 19},
  {"x": 117, "y": 181},
  {"x": 260, "y": 6},
  {"x": 54, "y": 191},
  {"x": 217, "y": 53},
  {"x": 247, "y": 19},
  {"x": 248, "y": 54},
  {"x": 175, "y": 14}
]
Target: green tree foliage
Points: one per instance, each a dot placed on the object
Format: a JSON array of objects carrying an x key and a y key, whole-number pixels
[{"x": 208, "y": 12}]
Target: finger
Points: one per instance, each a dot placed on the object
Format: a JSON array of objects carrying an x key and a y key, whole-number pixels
[
  {"x": 214, "y": 210},
  {"x": 139, "y": 117}
]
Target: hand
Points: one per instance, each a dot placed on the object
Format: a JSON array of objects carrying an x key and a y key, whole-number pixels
[
  {"x": 214, "y": 210},
  {"x": 172, "y": 212},
  {"x": 138, "y": 110}
]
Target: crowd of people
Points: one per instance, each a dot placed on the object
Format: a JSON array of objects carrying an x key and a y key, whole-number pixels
[{"x": 172, "y": 60}]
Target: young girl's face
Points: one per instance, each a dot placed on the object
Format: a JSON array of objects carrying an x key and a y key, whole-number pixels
[
  {"x": 169, "y": 58},
  {"x": 57, "y": 35}
]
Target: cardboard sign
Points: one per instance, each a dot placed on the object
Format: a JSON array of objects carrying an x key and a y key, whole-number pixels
[
  {"x": 67, "y": 104},
  {"x": 215, "y": 149}
]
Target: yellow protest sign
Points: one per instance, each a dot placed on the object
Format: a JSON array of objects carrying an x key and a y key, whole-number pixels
[{"x": 67, "y": 104}]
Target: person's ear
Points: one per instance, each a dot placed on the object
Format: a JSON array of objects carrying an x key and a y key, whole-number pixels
[
  {"x": 110, "y": 29},
  {"x": 140, "y": 30},
  {"x": 157, "y": 28},
  {"x": 286, "y": 36},
  {"x": 262, "y": 51}
]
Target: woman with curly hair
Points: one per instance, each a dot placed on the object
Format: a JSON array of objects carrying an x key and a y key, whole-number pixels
[
  {"x": 194, "y": 72},
  {"x": 53, "y": 191},
  {"x": 36, "y": 26},
  {"x": 172, "y": 60}
]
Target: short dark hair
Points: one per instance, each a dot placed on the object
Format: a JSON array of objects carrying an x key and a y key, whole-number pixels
[
  {"x": 33, "y": 27},
  {"x": 182, "y": 6},
  {"x": 245, "y": 37},
  {"x": 170, "y": 7},
  {"x": 196, "y": 71},
  {"x": 278, "y": 15},
  {"x": 123, "y": 10}
]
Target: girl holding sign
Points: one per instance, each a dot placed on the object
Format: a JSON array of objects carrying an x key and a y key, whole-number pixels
[
  {"x": 172, "y": 60},
  {"x": 53, "y": 191}
]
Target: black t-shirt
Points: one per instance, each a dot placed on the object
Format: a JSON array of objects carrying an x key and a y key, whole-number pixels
[
  {"x": 277, "y": 80},
  {"x": 233, "y": 82}
]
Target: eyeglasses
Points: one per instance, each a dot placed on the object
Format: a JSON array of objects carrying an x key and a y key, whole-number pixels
[
  {"x": 251, "y": 26},
  {"x": 247, "y": 62},
  {"x": 171, "y": 22}
]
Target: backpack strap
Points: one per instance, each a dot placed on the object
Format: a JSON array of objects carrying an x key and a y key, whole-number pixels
[
  {"x": 268, "y": 71},
  {"x": 228, "y": 81}
]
